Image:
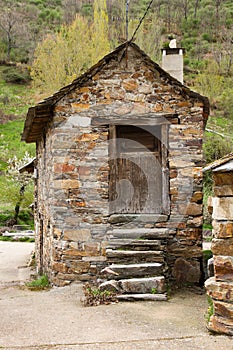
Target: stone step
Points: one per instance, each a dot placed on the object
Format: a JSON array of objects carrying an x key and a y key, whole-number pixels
[
  {"x": 119, "y": 271},
  {"x": 138, "y": 244},
  {"x": 132, "y": 256},
  {"x": 144, "y": 285},
  {"x": 132, "y": 233},
  {"x": 135, "y": 297}
]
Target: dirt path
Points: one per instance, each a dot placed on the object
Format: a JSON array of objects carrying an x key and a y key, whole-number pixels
[
  {"x": 13, "y": 261},
  {"x": 56, "y": 319}
]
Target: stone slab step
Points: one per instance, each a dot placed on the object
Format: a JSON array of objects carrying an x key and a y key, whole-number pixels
[
  {"x": 133, "y": 256},
  {"x": 118, "y": 271},
  {"x": 137, "y": 297},
  {"x": 145, "y": 218},
  {"x": 151, "y": 233},
  {"x": 150, "y": 285},
  {"x": 138, "y": 244}
]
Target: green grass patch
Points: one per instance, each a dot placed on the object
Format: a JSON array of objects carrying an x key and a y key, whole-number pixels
[
  {"x": 207, "y": 226},
  {"x": 42, "y": 282},
  {"x": 20, "y": 239}
]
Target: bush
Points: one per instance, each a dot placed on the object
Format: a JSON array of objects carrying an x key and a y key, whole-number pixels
[
  {"x": 16, "y": 75},
  {"x": 215, "y": 147}
]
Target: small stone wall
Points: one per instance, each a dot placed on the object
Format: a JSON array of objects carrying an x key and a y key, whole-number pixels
[{"x": 220, "y": 287}]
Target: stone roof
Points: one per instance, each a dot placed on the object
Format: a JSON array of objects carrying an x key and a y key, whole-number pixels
[
  {"x": 38, "y": 116},
  {"x": 223, "y": 164}
]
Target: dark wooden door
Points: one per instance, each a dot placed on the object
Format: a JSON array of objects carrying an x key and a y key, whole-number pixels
[{"x": 136, "y": 174}]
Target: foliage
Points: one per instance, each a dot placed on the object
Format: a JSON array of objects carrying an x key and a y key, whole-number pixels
[
  {"x": 215, "y": 147},
  {"x": 210, "y": 310},
  {"x": 62, "y": 57},
  {"x": 19, "y": 183},
  {"x": 16, "y": 75},
  {"x": 207, "y": 254},
  {"x": 20, "y": 239},
  {"x": 42, "y": 282},
  {"x": 25, "y": 217},
  {"x": 95, "y": 297},
  {"x": 100, "y": 44}
]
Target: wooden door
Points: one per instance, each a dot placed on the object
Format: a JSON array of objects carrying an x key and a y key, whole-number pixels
[{"x": 135, "y": 171}]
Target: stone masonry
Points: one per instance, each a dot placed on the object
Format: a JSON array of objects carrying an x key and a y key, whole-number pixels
[
  {"x": 220, "y": 287},
  {"x": 74, "y": 228}
]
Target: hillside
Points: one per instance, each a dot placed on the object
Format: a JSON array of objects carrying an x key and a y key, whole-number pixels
[{"x": 204, "y": 28}]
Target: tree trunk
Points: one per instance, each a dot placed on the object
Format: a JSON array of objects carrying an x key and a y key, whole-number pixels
[{"x": 18, "y": 204}]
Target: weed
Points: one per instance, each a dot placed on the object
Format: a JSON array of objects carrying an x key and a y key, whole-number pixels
[
  {"x": 154, "y": 291},
  {"x": 40, "y": 283},
  {"x": 94, "y": 296},
  {"x": 210, "y": 310},
  {"x": 207, "y": 254}
]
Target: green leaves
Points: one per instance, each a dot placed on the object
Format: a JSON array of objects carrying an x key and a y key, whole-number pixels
[{"x": 62, "y": 57}]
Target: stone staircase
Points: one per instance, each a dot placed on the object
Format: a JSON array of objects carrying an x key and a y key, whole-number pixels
[{"x": 136, "y": 263}]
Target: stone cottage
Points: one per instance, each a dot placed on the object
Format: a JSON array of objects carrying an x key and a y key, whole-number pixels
[
  {"x": 220, "y": 287},
  {"x": 119, "y": 175}
]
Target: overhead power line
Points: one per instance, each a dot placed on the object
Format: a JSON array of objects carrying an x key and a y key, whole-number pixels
[{"x": 141, "y": 20}]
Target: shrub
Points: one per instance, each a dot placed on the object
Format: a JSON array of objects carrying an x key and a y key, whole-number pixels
[
  {"x": 94, "y": 296},
  {"x": 16, "y": 75}
]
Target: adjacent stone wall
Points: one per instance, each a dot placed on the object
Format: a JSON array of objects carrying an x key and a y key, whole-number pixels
[
  {"x": 73, "y": 171},
  {"x": 220, "y": 287}
]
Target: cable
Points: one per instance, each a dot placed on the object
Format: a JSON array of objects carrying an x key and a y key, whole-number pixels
[{"x": 141, "y": 20}]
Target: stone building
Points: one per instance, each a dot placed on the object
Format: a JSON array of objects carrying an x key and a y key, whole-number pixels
[
  {"x": 220, "y": 287},
  {"x": 119, "y": 175}
]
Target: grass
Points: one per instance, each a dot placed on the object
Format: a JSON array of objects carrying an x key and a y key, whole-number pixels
[
  {"x": 210, "y": 310},
  {"x": 14, "y": 102},
  {"x": 20, "y": 239},
  {"x": 41, "y": 283},
  {"x": 14, "y": 98}
]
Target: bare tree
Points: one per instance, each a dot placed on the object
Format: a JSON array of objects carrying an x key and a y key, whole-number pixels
[{"x": 13, "y": 25}]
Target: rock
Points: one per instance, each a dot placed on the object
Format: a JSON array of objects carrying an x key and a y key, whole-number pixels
[
  {"x": 111, "y": 286},
  {"x": 185, "y": 271},
  {"x": 136, "y": 270},
  {"x": 221, "y": 325},
  {"x": 210, "y": 267},
  {"x": 219, "y": 290},
  {"x": 223, "y": 208},
  {"x": 149, "y": 297},
  {"x": 222, "y": 229},
  {"x": 222, "y": 246},
  {"x": 223, "y": 309},
  {"x": 223, "y": 267},
  {"x": 143, "y": 285}
]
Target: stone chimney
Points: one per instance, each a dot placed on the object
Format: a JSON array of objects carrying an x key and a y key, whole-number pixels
[{"x": 172, "y": 61}]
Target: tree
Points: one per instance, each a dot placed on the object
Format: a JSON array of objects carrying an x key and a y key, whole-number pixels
[
  {"x": 99, "y": 38},
  {"x": 62, "y": 57},
  {"x": 13, "y": 27},
  {"x": 19, "y": 182}
]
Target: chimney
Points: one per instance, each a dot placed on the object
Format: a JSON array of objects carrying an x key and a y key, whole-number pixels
[{"x": 172, "y": 60}]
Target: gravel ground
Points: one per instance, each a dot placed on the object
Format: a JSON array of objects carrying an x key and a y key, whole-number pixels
[{"x": 56, "y": 319}]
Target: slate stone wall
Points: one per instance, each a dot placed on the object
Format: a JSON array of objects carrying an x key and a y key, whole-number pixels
[
  {"x": 220, "y": 287},
  {"x": 73, "y": 171}
]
